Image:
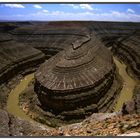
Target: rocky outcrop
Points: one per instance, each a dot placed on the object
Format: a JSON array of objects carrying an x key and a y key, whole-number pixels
[
  {"x": 70, "y": 102},
  {"x": 133, "y": 106},
  {"x": 64, "y": 33},
  {"x": 103, "y": 125},
  {"x": 15, "y": 58},
  {"x": 128, "y": 50},
  {"x": 99, "y": 124},
  {"x": 136, "y": 98},
  {"x": 72, "y": 83},
  {"x": 13, "y": 126},
  {"x": 109, "y": 32},
  {"x": 56, "y": 38}
]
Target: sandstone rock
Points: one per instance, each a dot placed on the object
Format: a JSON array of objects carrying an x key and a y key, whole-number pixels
[
  {"x": 4, "y": 123},
  {"x": 127, "y": 49},
  {"x": 12, "y": 126},
  {"x": 131, "y": 134},
  {"x": 15, "y": 58},
  {"x": 128, "y": 108},
  {"x": 72, "y": 82}
]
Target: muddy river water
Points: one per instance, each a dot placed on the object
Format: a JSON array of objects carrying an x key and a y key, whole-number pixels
[
  {"x": 128, "y": 85},
  {"x": 13, "y": 99},
  {"x": 125, "y": 95}
]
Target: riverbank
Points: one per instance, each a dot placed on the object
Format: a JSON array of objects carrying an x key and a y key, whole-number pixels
[
  {"x": 13, "y": 107},
  {"x": 129, "y": 84}
]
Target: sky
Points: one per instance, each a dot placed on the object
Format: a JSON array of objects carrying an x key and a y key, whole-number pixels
[{"x": 55, "y": 12}]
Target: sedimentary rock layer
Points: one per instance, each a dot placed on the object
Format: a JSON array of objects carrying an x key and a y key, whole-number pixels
[
  {"x": 64, "y": 33},
  {"x": 128, "y": 50},
  {"x": 52, "y": 37},
  {"x": 56, "y": 38},
  {"x": 15, "y": 58},
  {"x": 71, "y": 83}
]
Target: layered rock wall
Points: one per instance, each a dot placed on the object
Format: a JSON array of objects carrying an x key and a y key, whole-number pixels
[
  {"x": 15, "y": 58},
  {"x": 128, "y": 50},
  {"x": 86, "y": 74}
]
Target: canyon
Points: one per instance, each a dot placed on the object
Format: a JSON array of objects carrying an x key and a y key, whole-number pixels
[{"x": 61, "y": 75}]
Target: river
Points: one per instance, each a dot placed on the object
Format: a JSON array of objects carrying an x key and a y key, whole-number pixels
[
  {"x": 13, "y": 99},
  {"x": 125, "y": 95},
  {"x": 128, "y": 85}
]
